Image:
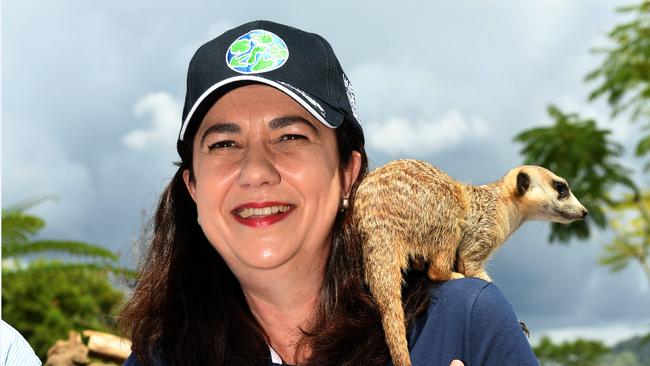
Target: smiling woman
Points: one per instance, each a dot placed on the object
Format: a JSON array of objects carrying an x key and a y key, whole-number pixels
[
  {"x": 252, "y": 259},
  {"x": 267, "y": 185}
]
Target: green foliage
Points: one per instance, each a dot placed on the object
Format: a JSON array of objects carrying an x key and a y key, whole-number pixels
[
  {"x": 17, "y": 226},
  {"x": 586, "y": 157},
  {"x": 580, "y": 352},
  {"x": 630, "y": 221},
  {"x": 638, "y": 346},
  {"x": 624, "y": 74},
  {"x": 70, "y": 247},
  {"x": 626, "y": 358},
  {"x": 631, "y": 352},
  {"x": 45, "y": 299}
]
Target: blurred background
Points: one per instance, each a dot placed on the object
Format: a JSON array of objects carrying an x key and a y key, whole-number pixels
[{"x": 92, "y": 94}]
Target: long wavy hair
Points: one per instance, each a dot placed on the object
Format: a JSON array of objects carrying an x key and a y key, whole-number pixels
[{"x": 187, "y": 307}]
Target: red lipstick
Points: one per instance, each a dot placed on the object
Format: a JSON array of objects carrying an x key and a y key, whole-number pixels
[{"x": 260, "y": 221}]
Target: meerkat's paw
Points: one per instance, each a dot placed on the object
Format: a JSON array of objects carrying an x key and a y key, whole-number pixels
[
  {"x": 484, "y": 276},
  {"x": 524, "y": 327},
  {"x": 418, "y": 264},
  {"x": 456, "y": 275}
]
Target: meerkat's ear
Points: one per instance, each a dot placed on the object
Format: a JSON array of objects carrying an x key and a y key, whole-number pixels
[{"x": 523, "y": 183}]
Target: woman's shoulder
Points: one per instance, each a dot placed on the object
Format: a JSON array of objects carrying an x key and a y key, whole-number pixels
[
  {"x": 471, "y": 295},
  {"x": 469, "y": 319},
  {"x": 466, "y": 289},
  {"x": 454, "y": 302},
  {"x": 132, "y": 360}
]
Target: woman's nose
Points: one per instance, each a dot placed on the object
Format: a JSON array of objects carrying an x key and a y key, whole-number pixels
[{"x": 257, "y": 169}]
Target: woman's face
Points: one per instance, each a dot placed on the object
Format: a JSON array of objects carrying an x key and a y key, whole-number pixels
[{"x": 267, "y": 180}]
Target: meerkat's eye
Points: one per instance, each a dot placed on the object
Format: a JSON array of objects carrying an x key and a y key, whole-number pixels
[{"x": 561, "y": 188}]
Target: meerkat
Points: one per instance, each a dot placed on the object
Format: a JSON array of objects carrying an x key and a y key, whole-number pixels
[{"x": 410, "y": 210}]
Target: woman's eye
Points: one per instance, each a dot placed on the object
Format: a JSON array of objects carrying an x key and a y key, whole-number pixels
[
  {"x": 222, "y": 144},
  {"x": 292, "y": 137}
]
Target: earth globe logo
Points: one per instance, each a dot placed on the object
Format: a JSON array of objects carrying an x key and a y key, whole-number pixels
[{"x": 257, "y": 51}]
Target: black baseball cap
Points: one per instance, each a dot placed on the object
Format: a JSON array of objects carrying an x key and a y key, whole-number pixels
[{"x": 300, "y": 64}]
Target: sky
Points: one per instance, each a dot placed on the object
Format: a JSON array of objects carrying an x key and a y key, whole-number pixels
[{"x": 92, "y": 95}]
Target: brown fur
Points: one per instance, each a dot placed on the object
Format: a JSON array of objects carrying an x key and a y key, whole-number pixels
[{"x": 410, "y": 210}]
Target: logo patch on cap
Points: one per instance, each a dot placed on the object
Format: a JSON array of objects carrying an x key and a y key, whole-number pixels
[{"x": 257, "y": 51}]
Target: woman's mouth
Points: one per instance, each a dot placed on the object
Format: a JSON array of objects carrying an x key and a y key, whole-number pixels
[
  {"x": 262, "y": 214},
  {"x": 249, "y": 212}
]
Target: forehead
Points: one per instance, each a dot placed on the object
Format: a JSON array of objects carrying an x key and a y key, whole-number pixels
[
  {"x": 549, "y": 175},
  {"x": 254, "y": 102}
]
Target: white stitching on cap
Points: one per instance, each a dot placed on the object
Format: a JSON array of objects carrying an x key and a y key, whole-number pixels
[
  {"x": 310, "y": 99},
  {"x": 351, "y": 98}
]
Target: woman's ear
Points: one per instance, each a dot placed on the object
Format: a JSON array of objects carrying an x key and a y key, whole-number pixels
[
  {"x": 350, "y": 173},
  {"x": 189, "y": 184}
]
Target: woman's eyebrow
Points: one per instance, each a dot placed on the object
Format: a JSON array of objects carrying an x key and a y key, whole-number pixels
[
  {"x": 221, "y": 127},
  {"x": 284, "y": 121}
]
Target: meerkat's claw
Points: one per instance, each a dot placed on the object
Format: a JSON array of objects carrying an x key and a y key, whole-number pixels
[
  {"x": 524, "y": 327},
  {"x": 456, "y": 275}
]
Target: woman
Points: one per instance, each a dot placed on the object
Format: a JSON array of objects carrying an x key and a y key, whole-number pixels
[{"x": 249, "y": 262}]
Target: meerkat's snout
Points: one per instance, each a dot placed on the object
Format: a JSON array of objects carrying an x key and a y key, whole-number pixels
[
  {"x": 571, "y": 212},
  {"x": 568, "y": 206}
]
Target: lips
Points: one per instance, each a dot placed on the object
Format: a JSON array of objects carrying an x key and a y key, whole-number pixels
[{"x": 262, "y": 214}]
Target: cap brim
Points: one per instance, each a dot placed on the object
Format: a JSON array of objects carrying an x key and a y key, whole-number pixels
[{"x": 299, "y": 96}]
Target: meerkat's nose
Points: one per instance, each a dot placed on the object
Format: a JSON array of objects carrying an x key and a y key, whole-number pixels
[{"x": 584, "y": 213}]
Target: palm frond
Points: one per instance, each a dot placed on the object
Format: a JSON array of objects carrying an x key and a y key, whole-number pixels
[
  {"x": 77, "y": 248},
  {"x": 18, "y": 227},
  {"x": 25, "y": 205},
  {"x": 44, "y": 267}
]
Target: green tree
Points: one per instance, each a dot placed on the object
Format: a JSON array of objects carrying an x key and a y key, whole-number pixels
[
  {"x": 579, "y": 352},
  {"x": 624, "y": 74},
  {"x": 45, "y": 303},
  {"x": 46, "y": 298}
]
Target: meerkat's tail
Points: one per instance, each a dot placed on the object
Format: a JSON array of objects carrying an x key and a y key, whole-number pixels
[{"x": 384, "y": 277}]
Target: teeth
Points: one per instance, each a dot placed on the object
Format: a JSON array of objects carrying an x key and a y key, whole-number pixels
[{"x": 248, "y": 212}]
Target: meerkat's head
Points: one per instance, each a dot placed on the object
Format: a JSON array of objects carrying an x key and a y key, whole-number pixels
[{"x": 542, "y": 195}]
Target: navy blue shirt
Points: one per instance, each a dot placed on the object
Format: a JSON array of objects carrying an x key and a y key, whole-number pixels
[{"x": 469, "y": 320}]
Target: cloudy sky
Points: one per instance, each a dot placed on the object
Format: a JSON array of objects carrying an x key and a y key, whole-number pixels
[{"x": 92, "y": 93}]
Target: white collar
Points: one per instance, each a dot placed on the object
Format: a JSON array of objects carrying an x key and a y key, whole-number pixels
[{"x": 275, "y": 357}]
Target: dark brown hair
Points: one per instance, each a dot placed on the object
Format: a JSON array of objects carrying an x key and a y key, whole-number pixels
[{"x": 187, "y": 307}]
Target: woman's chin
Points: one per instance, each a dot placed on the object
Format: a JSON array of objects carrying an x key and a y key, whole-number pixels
[{"x": 265, "y": 258}]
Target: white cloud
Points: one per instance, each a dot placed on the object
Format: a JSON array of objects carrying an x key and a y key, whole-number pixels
[
  {"x": 165, "y": 113},
  {"x": 421, "y": 136}
]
